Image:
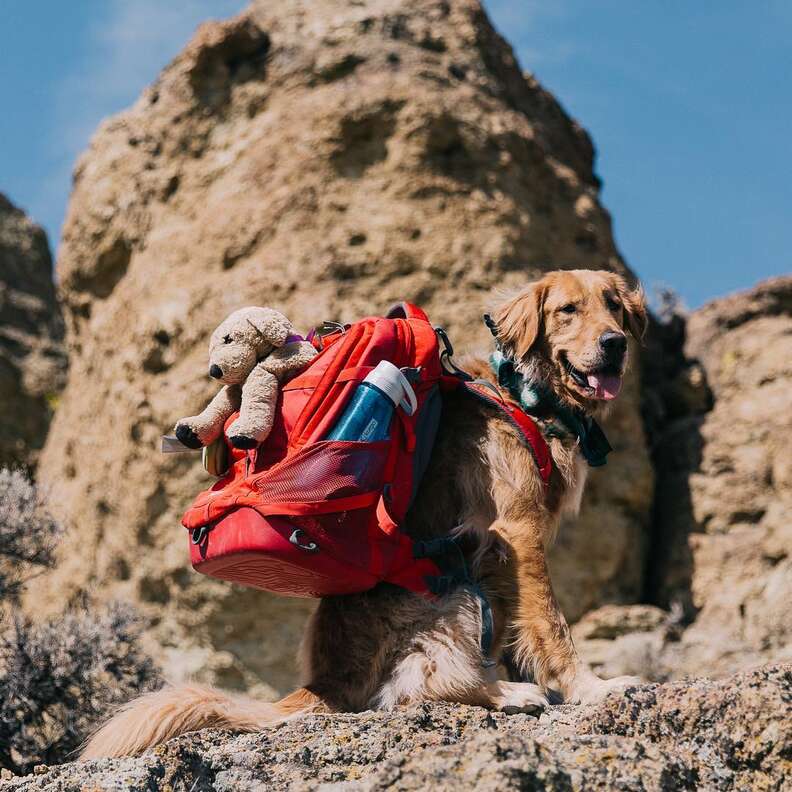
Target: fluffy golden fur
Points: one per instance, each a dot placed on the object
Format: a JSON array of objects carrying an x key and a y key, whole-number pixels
[{"x": 387, "y": 646}]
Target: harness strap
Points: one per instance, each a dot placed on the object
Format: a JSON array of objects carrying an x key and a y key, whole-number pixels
[
  {"x": 559, "y": 419},
  {"x": 529, "y": 432},
  {"x": 447, "y": 554},
  {"x": 406, "y": 310},
  {"x": 312, "y": 380}
]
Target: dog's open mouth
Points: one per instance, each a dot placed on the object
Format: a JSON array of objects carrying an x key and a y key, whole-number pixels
[{"x": 604, "y": 383}]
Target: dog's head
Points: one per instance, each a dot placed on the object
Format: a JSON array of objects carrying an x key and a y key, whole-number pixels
[
  {"x": 244, "y": 338},
  {"x": 570, "y": 328}
]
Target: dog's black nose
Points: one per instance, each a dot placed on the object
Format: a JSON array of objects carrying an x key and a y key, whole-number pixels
[
  {"x": 215, "y": 371},
  {"x": 613, "y": 344}
]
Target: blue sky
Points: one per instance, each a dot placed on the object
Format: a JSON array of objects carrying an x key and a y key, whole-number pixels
[{"x": 689, "y": 105}]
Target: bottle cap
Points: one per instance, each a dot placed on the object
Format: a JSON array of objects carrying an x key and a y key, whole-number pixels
[{"x": 390, "y": 380}]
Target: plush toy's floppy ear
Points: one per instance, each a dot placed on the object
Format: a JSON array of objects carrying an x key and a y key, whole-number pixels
[
  {"x": 272, "y": 326},
  {"x": 519, "y": 320},
  {"x": 289, "y": 358},
  {"x": 634, "y": 302}
]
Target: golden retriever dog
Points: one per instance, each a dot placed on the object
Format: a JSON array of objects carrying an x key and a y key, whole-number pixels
[{"x": 566, "y": 338}]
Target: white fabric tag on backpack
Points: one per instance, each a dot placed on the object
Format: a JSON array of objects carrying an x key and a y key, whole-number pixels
[{"x": 172, "y": 445}]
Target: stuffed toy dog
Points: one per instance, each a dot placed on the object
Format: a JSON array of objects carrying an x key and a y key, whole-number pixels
[{"x": 251, "y": 352}]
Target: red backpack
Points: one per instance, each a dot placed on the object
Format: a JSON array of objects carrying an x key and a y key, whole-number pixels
[{"x": 309, "y": 517}]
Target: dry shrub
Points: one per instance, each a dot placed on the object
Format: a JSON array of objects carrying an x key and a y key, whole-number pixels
[
  {"x": 28, "y": 533},
  {"x": 60, "y": 677}
]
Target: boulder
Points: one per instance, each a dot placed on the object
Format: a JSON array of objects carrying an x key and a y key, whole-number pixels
[
  {"x": 739, "y": 499},
  {"x": 327, "y": 158},
  {"x": 686, "y": 735},
  {"x": 32, "y": 357},
  {"x": 720, "y": 559}
]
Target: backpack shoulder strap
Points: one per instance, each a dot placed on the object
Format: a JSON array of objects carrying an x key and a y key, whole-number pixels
[
  {"x": 406, "y": 310},
  {"x": 530, "y": 434}
]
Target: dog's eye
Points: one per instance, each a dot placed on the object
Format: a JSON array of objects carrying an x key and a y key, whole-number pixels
[
  {"x": 613, "y": 304},
  {"x": 227, "y": 339},
  {"x": 569, "y": 308}
]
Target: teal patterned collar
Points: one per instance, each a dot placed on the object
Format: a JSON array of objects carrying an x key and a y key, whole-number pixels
[{"x": 557, "y": 419}]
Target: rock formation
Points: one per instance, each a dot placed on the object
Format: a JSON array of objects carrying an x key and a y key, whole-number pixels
[
  {"x": 730, "y": 735},
  {"x": 721, "y": 558},
  {"x": 32, "y": 359},
  {"x": 328, "y": 158},
  {"x": 738, "y": 551}
]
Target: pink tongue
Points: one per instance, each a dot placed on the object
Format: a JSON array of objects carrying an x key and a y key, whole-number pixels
[{"x": 606, "y": 386}]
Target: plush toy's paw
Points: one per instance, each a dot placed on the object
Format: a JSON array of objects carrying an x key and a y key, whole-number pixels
[
  {"x": 243, "y": 442},
  {"x": 246, "y": 433},
  {"x": 187, "y": 436}
]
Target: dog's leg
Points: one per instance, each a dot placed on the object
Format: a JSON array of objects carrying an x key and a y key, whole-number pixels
[
  {"x": 204, "y": 428},
  {"x": 542, "y": 643},
  {"x": 257, "y": 411},
  {"x": 445, "y": 663},
  {"x": 388, "y": 647}
]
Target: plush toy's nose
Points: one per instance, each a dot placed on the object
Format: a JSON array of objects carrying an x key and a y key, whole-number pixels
[{"x": 215, "y": 371}]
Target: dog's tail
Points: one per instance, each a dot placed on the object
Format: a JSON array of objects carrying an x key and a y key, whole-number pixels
[{"x": 154, "y": 718}]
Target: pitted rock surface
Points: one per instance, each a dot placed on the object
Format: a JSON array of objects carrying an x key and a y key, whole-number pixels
[{"x": 694, "y": 735}]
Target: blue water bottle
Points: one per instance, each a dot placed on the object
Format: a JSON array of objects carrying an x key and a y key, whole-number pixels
[{"x": 368, "y": 416}]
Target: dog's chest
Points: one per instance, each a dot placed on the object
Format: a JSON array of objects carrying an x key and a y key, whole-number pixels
[
  {"x": 570, "y": 479},
  {"x": 575, "y": 484}
]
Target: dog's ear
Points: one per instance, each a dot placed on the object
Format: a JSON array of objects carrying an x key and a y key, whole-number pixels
[
  {"x": 519, "y": 320},
  {"x": 634, "y": 302}
]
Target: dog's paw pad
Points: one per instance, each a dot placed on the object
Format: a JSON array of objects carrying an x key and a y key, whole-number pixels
[
  {"x": 521, "y": 697},
  {"x": 524, "y": 709}
]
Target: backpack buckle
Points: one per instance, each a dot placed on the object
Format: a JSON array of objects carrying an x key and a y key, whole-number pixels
[
  {"x": 328, "y": 327},
  {"x": 199, "y": 534},
  {"x": 309, "y": 547},
  {"x": 446, "y": 355},
  {"x": 443, "y": 336}
]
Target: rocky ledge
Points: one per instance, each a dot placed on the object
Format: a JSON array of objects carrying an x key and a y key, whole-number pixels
[{"x": 732, "y": 734}]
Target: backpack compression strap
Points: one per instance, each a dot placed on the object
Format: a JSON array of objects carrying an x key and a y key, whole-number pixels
[
  {"x": 529, "y": 432},
  {"x": 406, "y": 310}
]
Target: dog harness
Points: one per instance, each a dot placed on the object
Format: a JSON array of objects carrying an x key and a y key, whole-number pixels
[{"x": 539, "y": 402}]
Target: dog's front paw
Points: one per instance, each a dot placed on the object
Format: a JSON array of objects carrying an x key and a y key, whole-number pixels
[
  {"x": 514, "y": 697},
  {"x": 187, "y": 436},
  {"x": 592, "y": 689}
]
